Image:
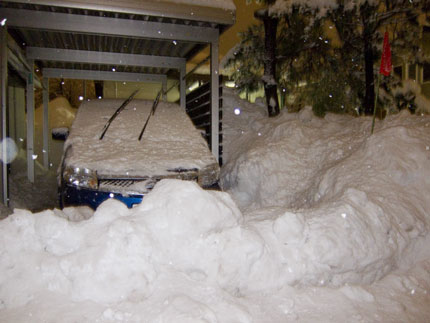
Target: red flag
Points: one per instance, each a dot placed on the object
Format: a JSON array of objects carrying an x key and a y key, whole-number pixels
[{"x": 386, "y": 57}]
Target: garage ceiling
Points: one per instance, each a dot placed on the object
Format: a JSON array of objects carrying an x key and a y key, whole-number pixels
[{"x": 140, "y": 36}]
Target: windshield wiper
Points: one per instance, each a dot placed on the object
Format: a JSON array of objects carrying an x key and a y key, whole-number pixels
[
  {"x": 154, "y": 106},
  {"x": 117, "y": 112}
]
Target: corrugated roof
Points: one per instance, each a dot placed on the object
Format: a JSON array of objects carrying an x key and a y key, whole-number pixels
[
  {"x": 131, "y": 27},
  {"x": 208, "y": 11}
]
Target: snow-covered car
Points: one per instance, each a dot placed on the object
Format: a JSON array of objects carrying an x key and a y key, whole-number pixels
[{"x": 121, "y": 149}]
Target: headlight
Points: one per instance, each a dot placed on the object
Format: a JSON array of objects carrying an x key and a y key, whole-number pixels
[
  {"x": 81, "y": 177},
  {"x": 209, "y": 175}
]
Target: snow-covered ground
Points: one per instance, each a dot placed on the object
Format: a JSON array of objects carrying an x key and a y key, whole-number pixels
[
  {"x": 319, "y": 221},
  {"x": 61, "y": 116},
  {"x": 43, "y": 193}
]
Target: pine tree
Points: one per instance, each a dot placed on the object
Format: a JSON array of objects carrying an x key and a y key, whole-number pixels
[
  {"x": 360, "y": 26},
  {"x": 338, "y": 76},
  {"x": 269, "y": 60},
  {"x": 300, "y": 47},
  {"x": 270, "y": 24},
  {"x": 246, "y": 65}
]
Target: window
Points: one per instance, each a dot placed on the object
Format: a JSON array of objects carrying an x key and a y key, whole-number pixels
[
  {"x": 426, "y": 72},
  {"x": 412, "y": 75},
  {"x": 425, "y": 41},
  {"x": 398, "y": 71}
]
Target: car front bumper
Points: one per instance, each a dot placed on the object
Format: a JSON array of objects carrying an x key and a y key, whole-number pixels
[{"x": 74, "y": 196}]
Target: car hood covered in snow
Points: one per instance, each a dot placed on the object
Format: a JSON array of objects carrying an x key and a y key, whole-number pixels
[{"x": 170, "y": 143}]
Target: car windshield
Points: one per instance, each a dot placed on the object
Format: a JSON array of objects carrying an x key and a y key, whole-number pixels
[
  {"x": 154, "y": 107},
  {"x": 171, "y": 140},
  {"x": 116, "y": 113}
]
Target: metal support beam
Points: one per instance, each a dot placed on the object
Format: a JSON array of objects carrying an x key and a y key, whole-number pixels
[
  {"x": 17, "y": 60},
  {"x": 11, "y": 109},
  {"x": 103, "y": 75},
  {"x": 3, "y": 124},
  {"x": 45, "y": 149},
  {"x": 164, "y": 88},
  {"x": 168, "y": 9},
  {"x": 182, "y": 85},
  {"x": 107, "y": 58},
  {"x": 16, "y": 111},
  {"x": 30, "y": 122},
  {"x": 215, "y": 99},
  {"x": 106, "y": 26}
]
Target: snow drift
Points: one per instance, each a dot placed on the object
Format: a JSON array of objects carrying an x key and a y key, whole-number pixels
[
  {"x": 310, "y": 202},
  {"x": 347, "y": 206}
]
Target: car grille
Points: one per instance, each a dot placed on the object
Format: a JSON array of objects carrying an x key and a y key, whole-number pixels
[
  {"x": 117, "y": 182},
  {"x": 126, "y": 184},
  {"x": 144, "y": 185}
]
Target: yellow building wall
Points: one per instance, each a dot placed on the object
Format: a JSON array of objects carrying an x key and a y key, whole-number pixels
[{"x": 148, "y": 91}]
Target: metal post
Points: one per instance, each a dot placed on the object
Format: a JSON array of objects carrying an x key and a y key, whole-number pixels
[
  {"x": 45, "y": 149},
  {"x": 182, "y": 85},
  {"x": 30, "y": 122},
  {"x": 3, "y": 56},
  {"x": 84, "y": 85},
  {"x": 11, "y": 113},
  {"x": 20, "y": 124},
  {"x": 215, "y": 99},
  {"x": 164, "y": 87}
]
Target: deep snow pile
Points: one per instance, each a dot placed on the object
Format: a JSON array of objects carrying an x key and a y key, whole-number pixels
[
  {"x": 325, "y": 209},
  {"x": 160, "y": 258},
  {"x": 347, "y": 206}
]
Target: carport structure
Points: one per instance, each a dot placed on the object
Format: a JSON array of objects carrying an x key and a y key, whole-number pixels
[{"x": 128, "y": 40}]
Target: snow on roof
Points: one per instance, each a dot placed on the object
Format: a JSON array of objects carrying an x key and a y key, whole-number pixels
[
  {"x": 223, "y": 4},
  {"x": 170, "y": 140},
  {"x": 286, "y": 5},
  {"x": 321, "y": 6}
]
